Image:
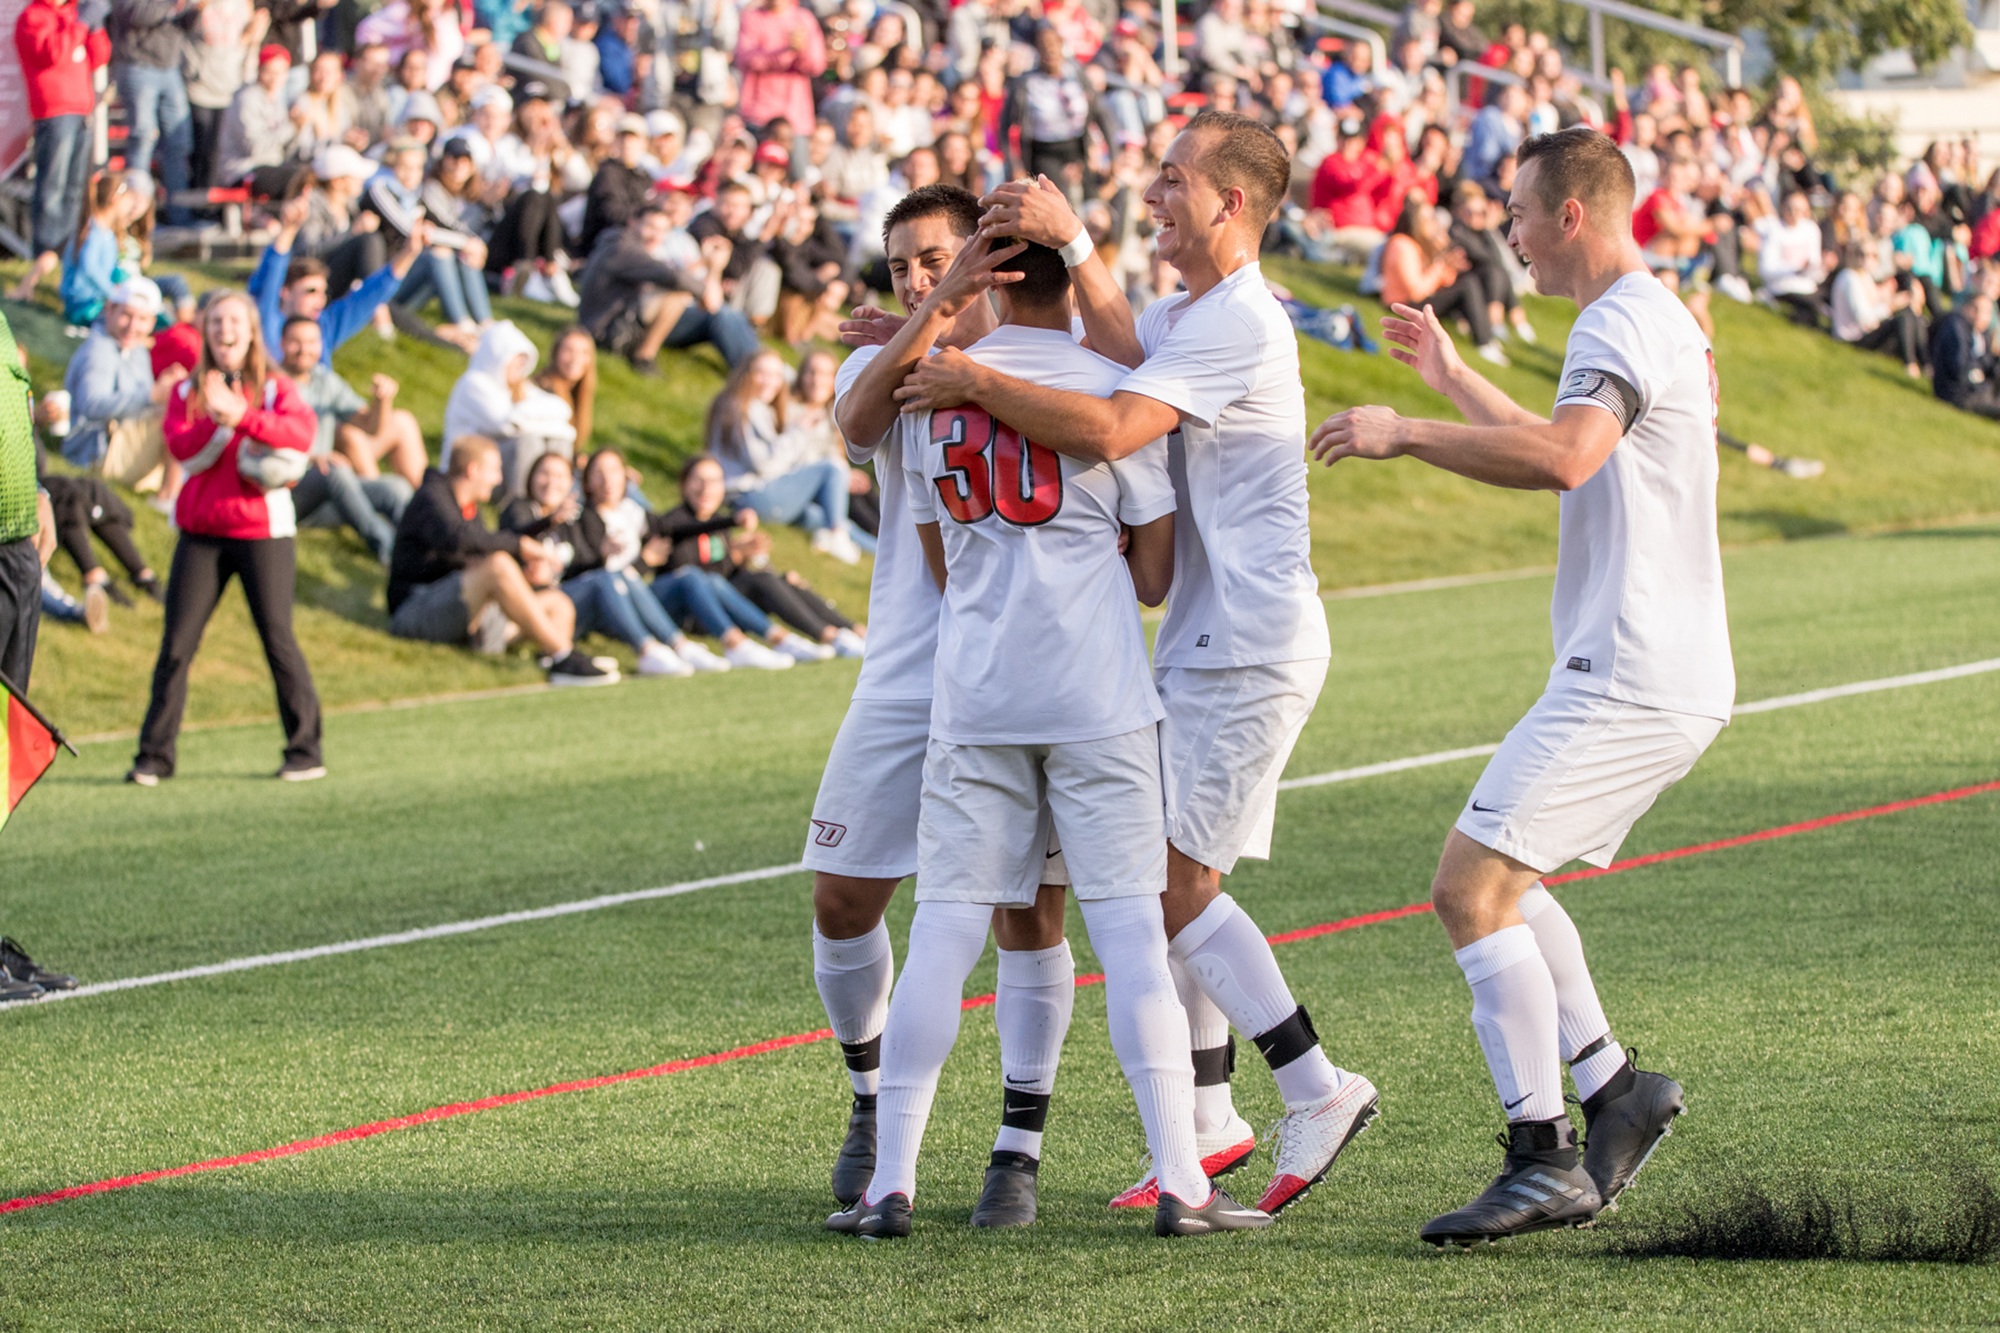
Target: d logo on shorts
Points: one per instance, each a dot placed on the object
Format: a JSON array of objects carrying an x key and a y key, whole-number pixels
[{"x": 826, "y": 834}]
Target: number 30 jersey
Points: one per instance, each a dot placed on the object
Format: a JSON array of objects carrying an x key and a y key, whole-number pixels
[{"x": 1039, "y": 640}]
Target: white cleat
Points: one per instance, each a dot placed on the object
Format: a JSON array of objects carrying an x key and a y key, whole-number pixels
[
  {"x": 1221, "y": 1152},
  {"x": 1307, "y": 1140}
]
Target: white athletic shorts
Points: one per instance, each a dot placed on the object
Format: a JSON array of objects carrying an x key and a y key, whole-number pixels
[
  {"x": 864, "y": 820},
  {"x": 1576, "y": 773},
  {"x": 989, "y": 812},
  {"x": 1228, "y": 734}
]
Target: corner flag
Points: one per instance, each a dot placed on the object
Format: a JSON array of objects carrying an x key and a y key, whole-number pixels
[{"x": 27, "y": 747}]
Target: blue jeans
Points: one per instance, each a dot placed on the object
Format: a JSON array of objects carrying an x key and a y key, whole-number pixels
[
  {"x": 157, "y": 103},
  {"x": 812, "y": 497},
  {"x": 372, "y": 508},
  {"x": 709, "y": 601},
  {"x": 62, "y": 172},
  {"x": 459, "y": 288},
  {"x": 616, "y": 604},
  {"x": 728, "y": 328}
]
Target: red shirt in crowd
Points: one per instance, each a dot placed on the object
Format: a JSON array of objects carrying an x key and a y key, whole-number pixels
[
  {"x": 1646, "y": 221},
  {"x": 1349, "y": 189},
  {"x": 58, "y": 55}
]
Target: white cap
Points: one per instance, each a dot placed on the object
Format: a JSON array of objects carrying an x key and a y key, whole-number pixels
[
  {"x": 339, "y": 162},
  {"x": 492, "y": 95},
  {"x": 141, "y": 183},
  {"x": 422, "y": 106},
  {"x": 664, "y": 122},
  {"x": 140, "y": 295}
]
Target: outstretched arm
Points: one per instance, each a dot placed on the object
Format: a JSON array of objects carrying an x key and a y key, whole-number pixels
[
  {"x": 1092, "y": 430},
  {"x": 1528, "y": 455}
]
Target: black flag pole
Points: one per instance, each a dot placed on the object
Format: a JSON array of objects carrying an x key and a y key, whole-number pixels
[{"x": 21, "y": 696}]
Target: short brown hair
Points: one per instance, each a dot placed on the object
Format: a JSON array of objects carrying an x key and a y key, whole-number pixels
[
  {"x": 1580, "y": 163},
  {"x": 467, "y": 450},
  {"x": 1244, "y": 154}
]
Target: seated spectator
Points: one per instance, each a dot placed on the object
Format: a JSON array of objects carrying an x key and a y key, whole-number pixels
[
  {"x": 452, "y": 580},
  {"x": 244, "y": 433},
  {"x": 85, "y": 507},
  {"x": 746, "y": 433},
  {"x": 453, "y": 263},
  {"x": 1788, "y": 258},
  {"x": 1350, "y": 78},
  {"x": 609, "y": 600},
  {"x": 528, "y": 246},
  {"x": 572, "y": 376},
  {"x": 1347, "y": 189},
  {"x": 635, "y": 304},
  {"x": 374, "y": 106},
  {"x": 1476, "y": 228},
  {"x": 90, "y": 267},
  {"x": 332, "y": 230},
  {"x": 709, "y": 579},
  {"x": 811, "y": 423},
  {"x": 1400, "y": 176},
  {"x": 621, "y": 186},
  {"x": 750, "y": 281},
  {"x": 1963, "y": 363},
  {"x": 1919, "y": 251},
  {"x": 331, "y": 493},
  {"x": 1669, "y": 226},
  {"x": 494, "y": 399},
  {"x": 282, "y": 286},
  {"x": 258, "y": 140},
  {"x": 116, "y": 405},
  {"x": 624, "y": 52},
  {"x": 1421, "y": 268},
  {"x": 1877, "y": 316}
]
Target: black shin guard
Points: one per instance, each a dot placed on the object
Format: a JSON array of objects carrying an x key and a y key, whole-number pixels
[
  {"x": 1289, "y": 1040},
  {"x": 1023, "y": 1110},
  {"x": 863, "y": 1057},
  {"x": 1213, "y": 1066}
]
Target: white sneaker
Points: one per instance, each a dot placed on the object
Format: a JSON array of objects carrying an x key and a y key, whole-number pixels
[
  {"x": 846, "y": 643},
  {"x": 836, "y": 543},
  {"x": 563, "y": 289},
  {"x": 660, "y": 660},
  {"x": 1491, "y": 352},
  {"x": 385, "y": 326},
  {"x": 1221, "y": 1152},
  {"x": 756, "y": 657},
  {"x": 698, "y": 657},
  {"x": 1526, "y": 333},
  {"x": 536, "y": 288},
  {"x": 1307, "y": 1139},
  {"x": 1736, "y": 287},
  {"x": 800, "y": 649}
]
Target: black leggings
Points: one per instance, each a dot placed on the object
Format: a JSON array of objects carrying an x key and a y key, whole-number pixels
[
  {"x": 528, "y": 230},
  {"x": 795, "y": 604},
  {"x": 352, "y": 260},
  {"x": 201, "y": 571},
  {"x": 207, "y": 133},
  {"x": 85, "y": 505},
  {"x": 1902, "y": 333},
  {"x": 1466, "y": 297}
]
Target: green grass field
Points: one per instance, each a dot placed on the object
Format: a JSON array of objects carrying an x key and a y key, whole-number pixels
[{"x": 1828, "y": 999}]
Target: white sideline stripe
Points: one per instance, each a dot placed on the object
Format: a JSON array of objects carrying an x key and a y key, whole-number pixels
[
  {"x": 426, "y": 932},
  {"x": 450, "y": 928}
]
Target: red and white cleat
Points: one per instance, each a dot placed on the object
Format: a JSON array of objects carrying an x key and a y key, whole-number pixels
[
  {"x": 1307, "y": 1140},
  {"x": 1221, "y": 1153}
]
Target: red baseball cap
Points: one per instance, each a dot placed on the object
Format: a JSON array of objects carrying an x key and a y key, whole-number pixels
[
  {"x": 272, "y": 51},
  {"x": 774, "y": 153}
]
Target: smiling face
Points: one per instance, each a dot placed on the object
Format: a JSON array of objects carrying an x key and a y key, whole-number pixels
[
  {"x": 231, "y": 330},
  {"x": 301, "y": 348},
  {"x": 767, "y": 378},
  {"x": 550, "y": 483},
  {"x": 307, "y": 296},
  {"x": 573, "y": 356},
  {"x": 1184, "y": 205},
  {"x": 816, "y": 379},
  {"x": 604, "y": 479},
  {"x": 703, "y": 488},
  {"x": 920, "y": 250},
  {"x": 1535, "y": 233}
]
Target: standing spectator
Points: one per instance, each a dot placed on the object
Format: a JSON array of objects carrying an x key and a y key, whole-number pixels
[
  {"x": 780, "y": 50},
  {"x": 221, "y": 58},
  {"x": 257, "y": 143},
  {"x": 330, "y": 494},
  {"x": 59, "y": 55},
  {"x": 494, "y": 399},
  {"x": 1051, "y": 108},
  {"x": 624, "y": 52},
  {"x": 147, "y": 39},
  {"x": 1877, "y": 316},
  {"x": 243, "y": 431},
  {"x": 116, "y": 405},
  {"x": 572, "y": 377}
]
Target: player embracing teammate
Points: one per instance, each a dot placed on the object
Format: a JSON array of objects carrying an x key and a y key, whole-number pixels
[{"x": 1641, "y": 684}]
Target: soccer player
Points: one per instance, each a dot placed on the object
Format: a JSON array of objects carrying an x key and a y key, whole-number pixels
[
  {"x": 1045, "y": 713},
  {"x": 1642, "y": 679},
  {"x": 1242, "y": 651},
  {"x": 863, "y": 838}
]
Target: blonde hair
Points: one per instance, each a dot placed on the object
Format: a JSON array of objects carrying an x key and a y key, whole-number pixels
[{"x": 467, "y": 450}]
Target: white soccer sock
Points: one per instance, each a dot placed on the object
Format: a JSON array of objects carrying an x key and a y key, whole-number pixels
[
  {"x": 946, "y": 939},
  {"x": 1579, "y": 1017},
  {"x": 853, "y": 977},
  {"x": 1031, "y": 1010},
  {"x": 1149, "y": 1033},
  {"x": 1233, "y": 963},
  {"x": 1514, "y": 1013},
  {"x": 1208, "y": 1036}
]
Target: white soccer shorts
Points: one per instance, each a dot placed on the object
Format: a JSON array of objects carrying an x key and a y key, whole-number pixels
[
  {"x": 1228, "y": 734},
  {"x": 989, "y": 812},
  {"x": 1576, "y": 773},
  {"x": 864, "y": 820}
]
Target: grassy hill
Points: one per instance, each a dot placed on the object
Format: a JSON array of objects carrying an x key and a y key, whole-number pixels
[{"x": 1894, "y": 457}]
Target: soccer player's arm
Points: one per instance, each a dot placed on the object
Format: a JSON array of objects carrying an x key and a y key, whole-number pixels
[
  {"x": 923, "y": 513},
  {"x": 933, "y": 544},
  {"x": 1038, "y": 211},
  {"x": 1150, "y": 557},
  {"x": 1146, "y": 507}
]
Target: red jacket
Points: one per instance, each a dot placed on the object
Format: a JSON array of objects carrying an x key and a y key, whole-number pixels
[
  {"x": 217, "y": 500},
  {"x": 57, "y": 56},
  {"x": 1349, "y": 190}
]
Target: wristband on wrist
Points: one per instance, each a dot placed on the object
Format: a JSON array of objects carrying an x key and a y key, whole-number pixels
[{"x": 1078, "y": 249}]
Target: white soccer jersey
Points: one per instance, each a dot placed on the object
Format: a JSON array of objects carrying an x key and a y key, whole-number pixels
[
  {"x": 1040, "y": 641},
  {"x": 1244, "y": 589},
  {"x": 1638, "y": 611},
  {"x": 902, "y": 597}
]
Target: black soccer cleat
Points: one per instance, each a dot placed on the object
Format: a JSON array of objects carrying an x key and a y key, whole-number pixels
[
  {"x": 14, "y": 961},
  {"x": 1541, "y": 1187},
  {"x": 885, "y": 1219},
  {"x": 12, "y": 991},
  {"x": 1220, "y": 1213},
  {"x": 1624, "y": 1121},
  {"x": 1008, "y": 1197},
  {"x": 854, "y": 1165}
]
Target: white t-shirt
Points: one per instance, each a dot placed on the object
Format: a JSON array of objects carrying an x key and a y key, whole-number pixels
[
  {"x": 1788, "y": 257},
  {"x": 1244, "y": 589},
  {"x": 902, "y": 597},
  {"x": 1638, "y": 612},
  {"x": 1040, "y": 641}
]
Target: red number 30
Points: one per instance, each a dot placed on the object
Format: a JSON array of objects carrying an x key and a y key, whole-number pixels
[{"x": 990, "y": 468}]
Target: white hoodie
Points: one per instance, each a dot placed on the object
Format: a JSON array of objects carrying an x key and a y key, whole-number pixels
[{"x": 482, "y": 404}]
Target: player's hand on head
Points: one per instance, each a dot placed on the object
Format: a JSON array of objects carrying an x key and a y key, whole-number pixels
[
  {"x": 1035, "y": 210},
  {"x": 1417, "y": 339},
  {"x": 1359, "y": 432},
  {"x": 940, "y": 381},
  {"x": 870, "y": 326},
  {"x": 974, "y": 271}
]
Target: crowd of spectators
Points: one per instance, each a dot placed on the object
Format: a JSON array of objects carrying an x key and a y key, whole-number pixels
[{"x": 685, "y": 172}]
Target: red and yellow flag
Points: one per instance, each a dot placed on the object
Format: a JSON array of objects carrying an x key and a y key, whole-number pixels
[{"x": 27, "y": 748}]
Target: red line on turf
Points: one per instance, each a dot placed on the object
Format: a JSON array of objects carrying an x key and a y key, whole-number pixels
[{"x": 976, "y": 1002}]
